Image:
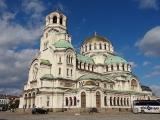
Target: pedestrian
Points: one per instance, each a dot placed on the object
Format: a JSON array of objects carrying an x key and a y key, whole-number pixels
[
  {"x": 90, "y": 110},
  {"x": 106, "y": 110}
]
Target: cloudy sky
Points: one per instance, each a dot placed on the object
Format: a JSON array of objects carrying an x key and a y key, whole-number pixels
[{"x": 132, "y": 26}]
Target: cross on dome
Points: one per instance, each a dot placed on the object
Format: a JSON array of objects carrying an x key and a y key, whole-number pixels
[{"x": 95, "y": 33}]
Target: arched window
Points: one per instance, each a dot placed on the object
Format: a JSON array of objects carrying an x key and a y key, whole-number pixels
[
  {"x": 46, "y": 35},
  {"x": 95, "y": 46},
  {"x": 55, "y": 19},
  {"x": 75, "y": 101},
  {"x": 71, "y": 72},
  {"x": 59, "y": 71},
  {"x": 92, "y": 67},
  {"x": 118, "y": 101},
  {"x": 66, "y": 101},
  {"x": 84, "y": 66},
  {"x": 110, "y": 101},
  {"x": 121, "y": 101},
  {"x": 88, "y": 66},
  {"x": 105, "y": 101},
  {"x": 100, "y": 46},
  {"x": 61, "y": 19},
  {"x": 124, "y": 101},
  {"x": 117, "y": 67},
  {"x": 107, "y": 68},
  {"x": 71, "y": 60},
  {"x": 112, "y": 67},
  {"x": 114, "y": 101},
  {"x": 67, "y": 72},
  {"x": 85, "y": 47},
  {"x": 59, "y": 59},
  {"x": 105, "y": 46},
  {"x": 89, "y": 46},
  {"x": 123, "y": 67},
  {"x": 80, "y": 65}
]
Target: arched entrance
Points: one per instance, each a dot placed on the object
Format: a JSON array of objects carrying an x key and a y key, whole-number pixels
[
  {"x": 98, "y": 99},
  {"x": 83, "y": 100}
]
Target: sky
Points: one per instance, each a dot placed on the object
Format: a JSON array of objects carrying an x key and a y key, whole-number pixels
[{"x": 132, "y": 26}]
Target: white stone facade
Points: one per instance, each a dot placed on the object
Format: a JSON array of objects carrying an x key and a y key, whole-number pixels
[{"x": 60, "y": 78}]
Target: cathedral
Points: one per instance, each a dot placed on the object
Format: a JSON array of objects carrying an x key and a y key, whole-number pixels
[{"x": 60, "y": 79}]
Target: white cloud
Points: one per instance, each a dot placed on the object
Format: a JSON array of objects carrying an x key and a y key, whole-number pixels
[
  {"x": 155, "y": 73},
  {"x": 146, "y": 63},
  {"x": 62, "y": 7},
  {"x": 157, "y": 67},
  {"x": 11, "y": 91},
  {"x": 149, "y": 44},
  {"x": 148, "y": 4},
  {"x": 133, "y": 64},
  {"x": 155, "y": 89},
  {"x": 34, "y": 7},
  {"x": 2, "y": 5},
  {"x": 14, "y": 64}
]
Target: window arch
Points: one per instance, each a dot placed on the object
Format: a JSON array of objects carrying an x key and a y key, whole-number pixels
[
  {"x": 55, "y": 19},
  {"x": 89, "y": 46},
  {"x": 95, "y": 47},
  {"x": 105, "y": 101},
  {"x": 100, "y": 46},
  {"x": 123, "y": 67},
  {"x": 61, "y": 20},
  {"x": 110, "y": 101},
  {"x": 117, "y": 67},
  {"x": 85, "y": 47},
  {"x": 112, "y": 67},
  {"x": 66, "y": 101},
  {"x": 59, "y": 71},
  {"x": 107, "y": 68},
  {"x": 105, "y": 46}
]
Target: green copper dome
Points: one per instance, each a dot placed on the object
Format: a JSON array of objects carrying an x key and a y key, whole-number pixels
[
  {"x": 114, "y": 59},
  {"x": 63, "y": 44}
]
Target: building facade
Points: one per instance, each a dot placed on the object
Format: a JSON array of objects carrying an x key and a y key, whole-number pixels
[{"x": 60, "y": 78}]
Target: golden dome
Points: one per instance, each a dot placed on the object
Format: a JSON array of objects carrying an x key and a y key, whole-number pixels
[
  {"x": 96, "y": 39},
  {"x": 89, "y": 82}
]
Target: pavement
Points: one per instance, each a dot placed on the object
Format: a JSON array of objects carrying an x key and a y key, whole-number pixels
[{"x": 7, "y": 115}]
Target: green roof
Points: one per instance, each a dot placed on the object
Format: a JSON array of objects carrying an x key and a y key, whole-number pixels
[
  {"x": 114, "y": 59},
  {"x": 128, "y": 77},
  {"x": 93, "y": 77},
  {"x": 85, "y": 59},
  {"x": 63, "y": 44},
  {"x": 47, "y": 76},
  {"x": 45, "y": 62}
]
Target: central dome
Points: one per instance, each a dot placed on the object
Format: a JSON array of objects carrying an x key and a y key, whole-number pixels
[{"x": 96, "y": 39}]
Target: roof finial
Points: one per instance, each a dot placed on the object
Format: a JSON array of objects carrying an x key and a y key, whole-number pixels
[
  {"x": 57, "y": 9},
  {"x": 95, "y": 33}
]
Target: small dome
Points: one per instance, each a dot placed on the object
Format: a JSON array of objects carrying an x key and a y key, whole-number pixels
[
  {"x": 89, "y": 82},
  {"x": 96, "y": 39},
  {"x": 63, "y": 44},
  {"x": 114, "y": 59}
]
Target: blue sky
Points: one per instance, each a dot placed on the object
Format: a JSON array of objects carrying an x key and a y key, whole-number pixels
[{"x": 132, "y": 26}]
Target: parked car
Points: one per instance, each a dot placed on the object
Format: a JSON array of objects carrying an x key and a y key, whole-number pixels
[{"x": 39, "y": 110}]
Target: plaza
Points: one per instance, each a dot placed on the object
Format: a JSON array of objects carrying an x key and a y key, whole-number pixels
[{"x": 63, "y": 116}]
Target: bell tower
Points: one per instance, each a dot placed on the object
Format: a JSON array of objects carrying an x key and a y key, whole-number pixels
[
  {"x": 57, "y": 20},
  {"x": 54, "y": 30}
]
